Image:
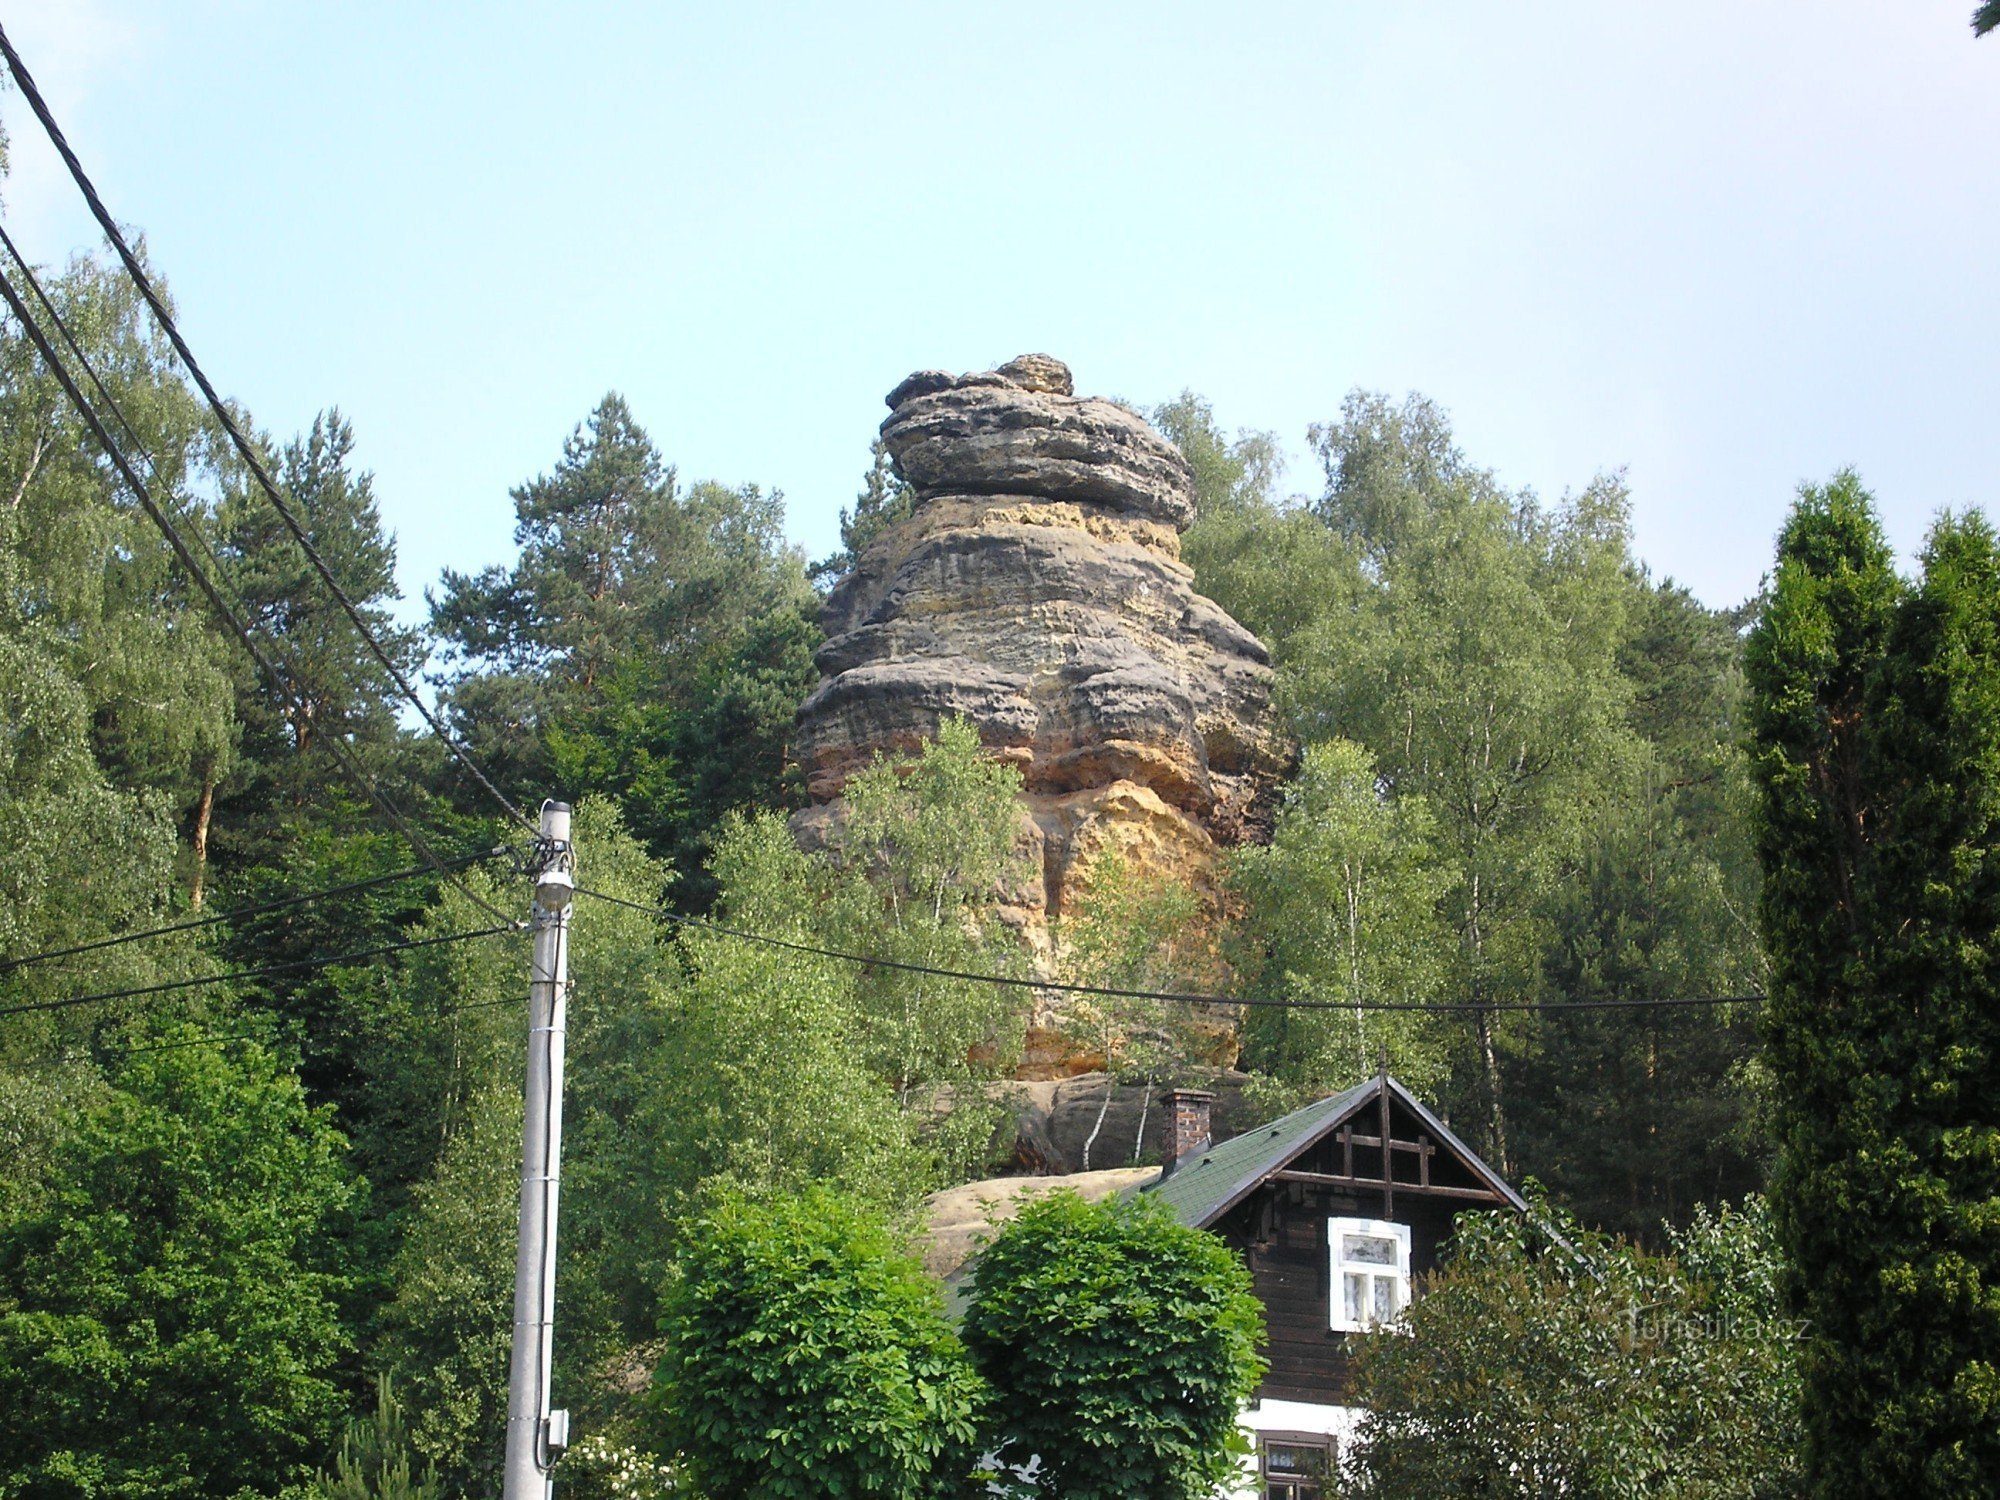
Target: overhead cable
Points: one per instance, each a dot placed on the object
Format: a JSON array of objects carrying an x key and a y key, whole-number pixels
[
  {"x": 217, "y": 1038},
  {"x": 1179, "y": 997},
  {"x": 245, "y": 913},
  {"x": 242, "y": 444},
  {"x": 279, "y": 680},
  {"x": 264, "y": 971}
]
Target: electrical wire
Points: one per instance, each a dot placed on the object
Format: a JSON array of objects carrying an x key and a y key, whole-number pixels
[
  {"x": 209, "y": 589},
  {"x": 216, "y": 1038},
  {"x": 76, "y": 348},
  {"x": 263, "y": 971},
  {"x": 242, "y": 444},
  {"x": 244, "y": 913},
  {"x": 1179, "y": 997}
]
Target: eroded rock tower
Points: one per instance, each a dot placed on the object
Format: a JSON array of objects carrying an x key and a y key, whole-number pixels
[{"x": 1038, "y": 591}]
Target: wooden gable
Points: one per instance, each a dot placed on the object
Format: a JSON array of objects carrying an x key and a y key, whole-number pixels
[{"x": 1371, "y": 1153}]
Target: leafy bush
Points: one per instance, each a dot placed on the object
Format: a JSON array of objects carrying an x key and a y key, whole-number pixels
[
  {"x": 170, "y": 1319},
  {"x": 1585, "y": 1367},
  {"x": 1120, "y": 1346},
  {"x": 600, "y": 1467},
  {"x": 808, "y": 1356}
]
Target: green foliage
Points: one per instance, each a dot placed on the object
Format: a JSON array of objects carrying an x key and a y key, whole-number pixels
[
  {"x": 763, "y": 1046},
  {"x": 762, "y": 1051},
  {"x": 1876, "y": 725},
  {"x": 1131, "y": 930},
  {"x": 365, "y": 1029},
  {"x": 650, "y": 642},
  {"x": 1632, "y": 1116},
  {"x": 1567, "y": 732},
  {"x": 445, "y": 1334},
  {"x": 883, "y": 501},
  {"x": 1120, "y": 1346},
  {"x": 807, "y": 1356},
  {"x": 1342, "y": 907},
  {"x": 928, "y": 847},
  {"x": 1545, "y": 1360},
  {"x": 338, "y": 688},
  {"x": 83, "y": 572},
  {"x": 374, "y": 1462},
  {"x": 286, "y": 796},
  {"x": 1481, "y": 669},
  {"x": 114, "y": 693},
  {"x": 1271, "y": 563},
  {"x": 170, "y": 1325},
  {"x": 1986, "y": 18}
]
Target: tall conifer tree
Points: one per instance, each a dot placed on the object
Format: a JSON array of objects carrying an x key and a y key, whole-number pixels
[{"x": 1875, "y": 721}]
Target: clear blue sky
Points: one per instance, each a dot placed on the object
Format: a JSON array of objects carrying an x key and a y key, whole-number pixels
[{"x": 1725, "y": 246}]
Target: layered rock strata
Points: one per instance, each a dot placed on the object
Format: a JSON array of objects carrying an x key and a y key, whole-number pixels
[{"x": 1037, "y": 590}]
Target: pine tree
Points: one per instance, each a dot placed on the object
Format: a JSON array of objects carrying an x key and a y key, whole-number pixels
[
  {"x": 883, "y": 501},
  {"x": 376, "y": 1461},
  {"x": 650, "y": 641}
]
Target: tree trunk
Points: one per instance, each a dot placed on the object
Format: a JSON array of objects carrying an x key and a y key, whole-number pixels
[
  {"x": 1483, "y": 1029},
  {"x": 203, "y": 810},
  {"x": 1498, "y": 1119},
  {"x": 1354, "y": 970},
  {"x": 1103, "y": 1108},
  {"x": 1145, "y": 1109}
]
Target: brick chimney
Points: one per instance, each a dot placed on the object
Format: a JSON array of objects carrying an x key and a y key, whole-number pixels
[{"x": 1188, "y": 1132}]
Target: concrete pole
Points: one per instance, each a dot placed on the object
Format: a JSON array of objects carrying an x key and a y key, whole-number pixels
[{"x": 531, "y": 1436}]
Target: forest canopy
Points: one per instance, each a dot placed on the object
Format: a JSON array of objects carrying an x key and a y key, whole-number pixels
[{"x": 1520, "y": 779}]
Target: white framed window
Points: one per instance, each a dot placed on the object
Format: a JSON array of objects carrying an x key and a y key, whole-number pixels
[{"x": 1371, "y": 1272}]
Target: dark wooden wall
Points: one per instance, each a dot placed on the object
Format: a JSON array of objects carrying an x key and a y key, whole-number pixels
[{"x": 1281, "y": 1231}]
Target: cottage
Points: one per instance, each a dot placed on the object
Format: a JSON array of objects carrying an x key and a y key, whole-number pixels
[{"x": 1337, "y": 1208}]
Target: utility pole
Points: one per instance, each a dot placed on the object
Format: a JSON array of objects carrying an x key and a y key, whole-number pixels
[{"x": 536, "y": 1435}]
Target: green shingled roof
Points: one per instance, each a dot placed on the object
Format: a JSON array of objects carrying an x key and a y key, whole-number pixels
[{"x": 1201, "y": 1187}]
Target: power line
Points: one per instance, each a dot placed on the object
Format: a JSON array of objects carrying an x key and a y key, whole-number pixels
[
  {"x": 213, "y": 594},
  {"x": 76, "y": 348},
  {"x": 1180, "y": 997},
  {"x": 244, "y": 913},
  {"x": 216, "y": 1038},
  {"x": 68, "y": 1059},
  {"x": 264, "y": 971},
  {"x": 236, "y": 437}
]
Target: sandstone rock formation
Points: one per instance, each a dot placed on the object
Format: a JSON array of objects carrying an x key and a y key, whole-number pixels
[
  {"x": 1091, "y": 1120},
  {"x": 1038, "y": 591},
  {"x": 958, "y": 1221}
]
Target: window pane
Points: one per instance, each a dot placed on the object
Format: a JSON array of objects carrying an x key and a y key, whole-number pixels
[
  {"x": 1355, "y": 1289},
  {"x": 1294, "y": 1458},
  {"x": 1368, "y": 1249},
  {"x": 1384, "y": 1307}
]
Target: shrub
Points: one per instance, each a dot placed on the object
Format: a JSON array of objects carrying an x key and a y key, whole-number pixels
[
  {"x": 1120, "y": 1346},
  {"x": 808, "y": 1356},
  {"x": 1585, "y": 1367}
]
